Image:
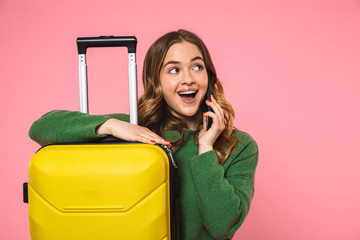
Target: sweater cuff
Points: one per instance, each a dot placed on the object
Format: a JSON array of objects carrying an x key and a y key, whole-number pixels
[{"x": 90, "y": 129}]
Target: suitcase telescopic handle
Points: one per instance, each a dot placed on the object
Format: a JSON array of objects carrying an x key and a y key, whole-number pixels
[{"x": 108, "y": 41}]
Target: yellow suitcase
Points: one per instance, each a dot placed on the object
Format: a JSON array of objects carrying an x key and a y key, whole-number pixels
[{"x": 102, "y": 191}]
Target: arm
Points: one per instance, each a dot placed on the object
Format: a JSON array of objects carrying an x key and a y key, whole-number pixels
[
  {"x": 62, "y": 126},
  {"x": 67, "y": 126},
  {"x": 224, "y": 194}
]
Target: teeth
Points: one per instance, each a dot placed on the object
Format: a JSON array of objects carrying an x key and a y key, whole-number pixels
[{"x": 187, "y": 92}]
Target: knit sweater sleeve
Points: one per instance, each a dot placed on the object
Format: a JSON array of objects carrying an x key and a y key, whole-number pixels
[
  {"x": 61, "y": 126},
  {"x": 223, "y": 194}
]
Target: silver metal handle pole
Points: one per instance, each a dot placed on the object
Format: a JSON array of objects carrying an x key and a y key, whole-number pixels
[
  {"x": 133, "y": 108},
  {"x": 83, "y": 86}
]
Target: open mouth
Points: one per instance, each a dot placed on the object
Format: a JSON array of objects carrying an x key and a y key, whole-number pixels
[{"x": 187, "y": 96}]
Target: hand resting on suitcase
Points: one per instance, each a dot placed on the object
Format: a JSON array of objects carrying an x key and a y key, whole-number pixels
[{"x": 129, "y": 132}]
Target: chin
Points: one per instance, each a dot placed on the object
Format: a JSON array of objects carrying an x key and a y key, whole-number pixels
[
  {"x": 189, "y": 114},
  {"x": 185, "y": 111}
]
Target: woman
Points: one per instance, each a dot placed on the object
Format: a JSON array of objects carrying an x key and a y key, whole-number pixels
[{"x": 215, "y": 167}]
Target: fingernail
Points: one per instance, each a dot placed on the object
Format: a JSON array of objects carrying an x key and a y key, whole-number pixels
[
  {"x": 173, "y": 146},
  {"x": 204, "y": 113},
  {"x": 207, "y": 100},
  {"x": 167, "y": 141},
  {"x": 152, "y": 141},
  {"x": 213, "y": 96}
]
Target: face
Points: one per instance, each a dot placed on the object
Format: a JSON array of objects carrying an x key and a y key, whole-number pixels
[{"x": 183, "y": 79}]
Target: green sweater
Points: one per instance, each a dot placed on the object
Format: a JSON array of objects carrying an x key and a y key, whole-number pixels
[{"x": 214, "y": 200}]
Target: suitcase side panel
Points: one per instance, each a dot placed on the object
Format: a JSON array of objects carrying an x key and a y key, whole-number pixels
[{"x": 147, "y": 220}]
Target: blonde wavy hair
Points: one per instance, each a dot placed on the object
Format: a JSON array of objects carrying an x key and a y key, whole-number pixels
[{"x": 153, "y": 110}]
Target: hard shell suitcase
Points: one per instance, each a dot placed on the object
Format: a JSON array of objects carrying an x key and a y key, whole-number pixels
[{"x": 104, "y": 190}]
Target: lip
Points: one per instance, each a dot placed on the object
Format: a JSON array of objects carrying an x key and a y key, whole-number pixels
[
  {"x": 186, "y": 100},
  {"x": 187, "y": 89}
]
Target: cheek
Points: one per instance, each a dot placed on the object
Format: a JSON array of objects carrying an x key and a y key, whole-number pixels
[
  {"x": 166, "y": 89},
  {"x": 166, "y": 96},
  {"x": 168, "y": 85},
  {"x": 203, "y": 85}
]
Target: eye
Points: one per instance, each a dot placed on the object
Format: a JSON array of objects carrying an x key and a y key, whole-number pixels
[
  {"x": 174, "y": 70},
  {"x": 198, "y": 67}
]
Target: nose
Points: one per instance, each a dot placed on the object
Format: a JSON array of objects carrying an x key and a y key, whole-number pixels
[{"x": 187, "y": 78}]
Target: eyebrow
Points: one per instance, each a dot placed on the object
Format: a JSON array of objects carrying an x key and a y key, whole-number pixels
[{"x": 177, "y": 62}]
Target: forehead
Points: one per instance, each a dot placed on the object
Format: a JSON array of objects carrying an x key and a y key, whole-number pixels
[{"x": 182, "y": 52}]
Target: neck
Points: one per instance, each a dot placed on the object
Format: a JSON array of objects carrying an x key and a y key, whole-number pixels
[{"x": 192, "y": 122}]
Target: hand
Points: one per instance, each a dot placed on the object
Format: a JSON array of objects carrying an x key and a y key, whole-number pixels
[
  {"x": 129, "y": 132},
  {"x": 207, "y": 138}
]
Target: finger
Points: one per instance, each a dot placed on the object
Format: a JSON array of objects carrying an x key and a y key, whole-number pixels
[
  {"x": 213, "y": 115},
  {"x": 218, "y": 122},
  {"x": 205, "y": 122},
  {"x": 146, "y": 140},
  {"x": 154, "y": 137},
  {"x": 216, "y": 108},
  {"x": 217, "y": 105},
  {"x": 152, "y": 141},
  {"x": 148, "y": 134},
  {"x": 213, "y": 104},
  {"x": 162, "y": 141}
]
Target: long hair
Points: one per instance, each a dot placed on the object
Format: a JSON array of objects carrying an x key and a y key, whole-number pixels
[{"x": 153, "y": 111}]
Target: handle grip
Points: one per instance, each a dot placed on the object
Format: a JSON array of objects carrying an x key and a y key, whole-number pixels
[{"x": 106, "y": 41}]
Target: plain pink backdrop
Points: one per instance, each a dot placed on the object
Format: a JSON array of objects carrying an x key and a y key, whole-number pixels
[{"x": 291, "y": 69}]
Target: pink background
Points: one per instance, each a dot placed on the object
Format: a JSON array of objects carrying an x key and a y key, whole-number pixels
[{"x": 291, "y": 69}]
